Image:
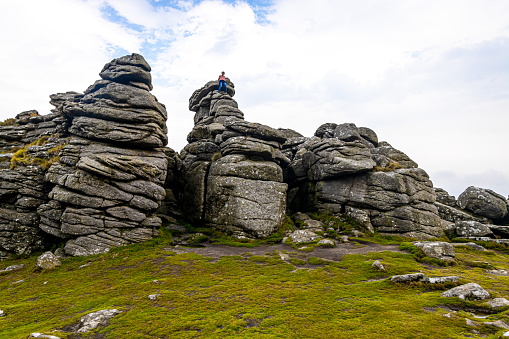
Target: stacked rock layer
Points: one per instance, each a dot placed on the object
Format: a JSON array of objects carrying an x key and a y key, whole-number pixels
[
  {"x": 232, "y": 178},
  {"x": 477, "y": 214},
  {"x": 344, "y": 169},
  {"x": 109, "y": 180}
]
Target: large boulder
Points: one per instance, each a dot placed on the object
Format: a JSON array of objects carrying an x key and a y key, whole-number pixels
[
  {"x": 438, "y": 250},
  {"x": 468, "y": 291},
  {"x": 484, "y": 202}
]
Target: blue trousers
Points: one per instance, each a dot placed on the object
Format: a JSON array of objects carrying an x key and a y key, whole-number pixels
[{"x": 221, "y": 84}]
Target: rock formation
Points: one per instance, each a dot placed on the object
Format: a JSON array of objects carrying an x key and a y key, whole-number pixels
[
  {"x": 478, "y": 214},
  {"x": 344, "y": 169},
  {"x": 95, "y": 174},
  {"x": 109, "y": 180},
  {"x": 106, "y": 181},
  {"x": 231, "y": 174},
  {"x": 28, "y": 144}
]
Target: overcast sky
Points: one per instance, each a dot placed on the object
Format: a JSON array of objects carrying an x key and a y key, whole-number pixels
[{"x": 430, "y": 77}]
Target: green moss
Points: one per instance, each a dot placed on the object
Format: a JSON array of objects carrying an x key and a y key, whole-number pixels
[
  {"x": 21, "y": 156},
  {"x": 245, "y": 296},
  {"x": 340, "y": 222},
  {"x": 216, "y": 156},
  {"x": 8, "y": 122},
  {"x": 392, "y": 166},
  {"x": 419, "y": 255},
  {"x": 297, "y": 261}
]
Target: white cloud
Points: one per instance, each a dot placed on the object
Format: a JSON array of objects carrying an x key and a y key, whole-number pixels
[
  {"x": 53, "y": 46},
  {"x": 430, "y": 77}
]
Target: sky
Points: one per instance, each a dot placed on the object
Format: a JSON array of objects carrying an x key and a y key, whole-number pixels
[{"x": 431, "y": 77}]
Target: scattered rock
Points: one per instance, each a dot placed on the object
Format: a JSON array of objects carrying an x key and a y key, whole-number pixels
[
  {"x": 40, "y": 335},
  {"x": 400, "y": 279},
  {"x": 326, "y": 243},
  {"x": 95, "y": 319},
  {"x": 468, "y": 291},
  {"x": 154, "y": 296},
  {"x": 299, "y": 216},
  {"x": 420, "y": 277},
  {"x": 12, "y": 268},
  {"x": 498, "y": 272},
  {"x": 343, "y": 238},
  {"x": 498, "y": 302},
  {"x": 441, "y": 280},
  {"x": 378, "y": 265},
  {"x": 470, "y": 322},
  {"x": 497, "y": 323},
  {"x": 472, "y": 228},
  {"x": 312, "y": 225},
  {"x": 438, "y": 250},
  {"x": 303, "y": 236},
  {"x": 60, "y": 253},
  {"x": 47, "y": 261}
]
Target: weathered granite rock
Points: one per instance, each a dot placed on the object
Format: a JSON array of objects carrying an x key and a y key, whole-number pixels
[
  {"x": 484, "y": 202},
  {"x": 253, "y": 206},
  {"x": 385, "y": 150},
  {"x": 303, "y": 236},
  {"x": 326, "y": 243},
  {"x": 472, "y": 229},
  {"x": 231, "y": 177},
  {"x": 96, "y": 319},
  {"x": 22, "y": 190},
  {"x": 467, "y": 292},
  {"x": 444, "y": 197},
  {"x": 438, "y": 250},
  {"x": 12, "y": 268},
  {"x": 407, "y": 278},
  {"x": 40, "y": 335},
  {"x": 455, "y": 214},
  {"x": 47, "y": 261},
  {"x": 313, "y": 225},
  {"x": 335, "y": 171},
  {"x": 331, "y": 157},
  {"x": 498, "y": 302},
  {"x": 378, "y": 265},
  {"x": 442, "y": 280},
  {"x": 108, "y": 183}
]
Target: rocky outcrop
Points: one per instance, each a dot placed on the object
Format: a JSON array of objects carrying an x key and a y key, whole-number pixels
[
  {"x": 231, "y": 175},
  {"x": 483, "y": 202},
  {"x": 345, "y": 169},
  {"x": 478, "y": 214},
  {"x": 95, "y": 173},
  {"x": 109, "y": 180},
  {"x": 22, "y": 190}
]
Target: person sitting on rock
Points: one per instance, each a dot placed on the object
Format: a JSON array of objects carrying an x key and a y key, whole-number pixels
[{"x": 222, "y": 83}]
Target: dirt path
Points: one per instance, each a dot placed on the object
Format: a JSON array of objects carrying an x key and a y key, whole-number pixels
[{"x": 335, "y": 254}]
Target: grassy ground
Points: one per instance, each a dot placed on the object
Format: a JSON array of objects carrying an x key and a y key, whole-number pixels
[{"x": 245, "y": 296}]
